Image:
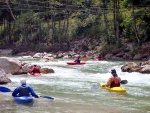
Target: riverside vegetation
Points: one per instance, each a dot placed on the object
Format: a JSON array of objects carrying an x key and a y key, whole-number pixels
[{"x": 107, "y": 26}]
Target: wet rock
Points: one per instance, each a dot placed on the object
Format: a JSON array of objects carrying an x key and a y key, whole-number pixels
[
  {"x": 129, "y": 67},
  {"x": 142, "y": 67},
  {"x": 10, "y": 65},
  {"x": 38, "y": 55},
  {"x": 47, "y": 70},
  {"x": 145, "y": 69},
  {"x": 3, "y": 77}
]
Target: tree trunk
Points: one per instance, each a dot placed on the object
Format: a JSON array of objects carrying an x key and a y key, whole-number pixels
[
  {"x": 106, "y": 24},
  {"x": 7, "y": 3},
  {"x": 53, "y": 25},
  {"x": 135, "y": 27},
  {"x": 116, "y": 19}
]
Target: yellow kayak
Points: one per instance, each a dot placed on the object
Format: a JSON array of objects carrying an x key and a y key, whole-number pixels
[{"x": 114, "y": 89}]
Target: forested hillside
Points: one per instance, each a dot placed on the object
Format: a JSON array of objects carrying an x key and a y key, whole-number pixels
[{"x": 45, "y": 25}]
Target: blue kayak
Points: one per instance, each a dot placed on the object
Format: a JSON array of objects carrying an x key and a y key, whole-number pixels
[{"x": 24, "y": 99}]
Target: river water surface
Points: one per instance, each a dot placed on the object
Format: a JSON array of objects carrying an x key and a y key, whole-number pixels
[{"x": 76, "y": 90}]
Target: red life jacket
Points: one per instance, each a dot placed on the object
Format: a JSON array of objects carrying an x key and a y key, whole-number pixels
[
  {"x": 36, "y": 70},
  {"x": 115, "y": 82}
]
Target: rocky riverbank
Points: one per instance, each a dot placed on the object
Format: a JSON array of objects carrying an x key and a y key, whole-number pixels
[
  {"x": 89, "y": 48},
  {"x": 86, "y": 48}
]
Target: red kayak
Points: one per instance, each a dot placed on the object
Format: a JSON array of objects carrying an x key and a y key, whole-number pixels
[
  {"x": 98, "y": 59},
  {"x": 75, "y": 63}
]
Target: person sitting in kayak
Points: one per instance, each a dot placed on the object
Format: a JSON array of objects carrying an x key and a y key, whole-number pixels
[
  {"x": 35, "y": 69},
  {"x": 24, "y": 90},
  {"x": 100, "y": 56},
  {"x": 78, "y": 59},
  {"x": 114, "y": 81}
]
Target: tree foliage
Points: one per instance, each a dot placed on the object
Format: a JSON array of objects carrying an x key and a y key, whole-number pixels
[{"x": 57, "y": 21}]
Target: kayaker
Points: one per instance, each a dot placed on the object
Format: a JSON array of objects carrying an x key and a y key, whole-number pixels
[
  {"x": 114, "y": 81},
  {"x": 24, "y": 90},
  {"x": 35, "y": 69},
  {"x": 100, "y": 56},
  {"x": 78, "y": 59}
]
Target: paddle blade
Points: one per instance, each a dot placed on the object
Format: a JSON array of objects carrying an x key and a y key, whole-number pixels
[
  {"x": 95, "y": 87},
  {"x": 4, "y": 89},
  {"x": 48, "y": 97},
  {"x": 124, "y": 82}
]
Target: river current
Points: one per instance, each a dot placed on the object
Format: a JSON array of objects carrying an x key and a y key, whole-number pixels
[{"x": 76, "y": 89}]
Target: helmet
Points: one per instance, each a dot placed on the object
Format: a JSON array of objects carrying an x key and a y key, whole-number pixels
[
  {"x": 113, "y": 71},
  {"x": 23, "y": 81}
]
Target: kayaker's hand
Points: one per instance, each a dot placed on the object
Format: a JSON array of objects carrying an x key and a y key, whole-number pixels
[
  {"x": 104, "y": 85},
  {"x": 39, "y": 95}
]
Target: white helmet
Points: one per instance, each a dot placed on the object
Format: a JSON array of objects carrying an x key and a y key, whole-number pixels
[{"x": 23, "y": 81}]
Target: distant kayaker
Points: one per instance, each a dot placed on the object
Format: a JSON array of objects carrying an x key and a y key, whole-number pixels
[
  {"x": 35, "y": 69},
  {"x": 24, "y": 90},
  {"x": 78, "y": 59},
  {"x": 100, "y": 56},
  {"x": 114, "y": 81}
]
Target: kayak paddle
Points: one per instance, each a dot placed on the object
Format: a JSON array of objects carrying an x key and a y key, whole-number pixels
[
  {"x": 95, "y": 87},
  {"x": 48, "y": 97},
  {"x": 5, "y": 89},
  {"x": 124, "y": 82}
]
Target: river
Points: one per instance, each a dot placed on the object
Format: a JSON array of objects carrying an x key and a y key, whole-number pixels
[{"x": 76, "y": 89}]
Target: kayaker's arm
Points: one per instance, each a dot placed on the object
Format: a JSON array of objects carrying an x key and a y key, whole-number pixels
[
  {"x": 108, "y": 82},
  {"x": 105, "y": 84},
  {"x": 15, "y": 92},
  {"x": 32, "y": 92}
]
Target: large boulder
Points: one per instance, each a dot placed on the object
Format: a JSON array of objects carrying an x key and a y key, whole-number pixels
[
  {"x": 145, "y": 69},
  {"x": 26, "y": 67},
  {"x": 10, "y": 65},
  {"x": 145, "y": 63},
  {"x": 129, "y": 67},
  {"x": 47, "y": 70},
  {"x": 38, "y": 55},
  {"x": 3, "y": 77},
  {"x": 142, "y": 67}
]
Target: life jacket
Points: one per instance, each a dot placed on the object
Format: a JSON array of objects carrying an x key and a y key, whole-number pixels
[
  {"x": 115, "y": 82},
  {"x": 36, "y": 70},
  {"x": 24, "y": 91}
]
